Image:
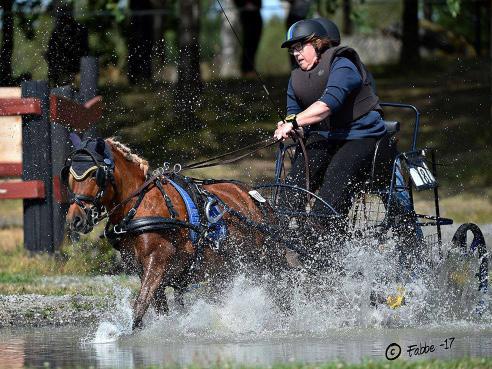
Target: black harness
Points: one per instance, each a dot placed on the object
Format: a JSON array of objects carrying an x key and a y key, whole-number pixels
[
  {"x": 99, "y": 163},
  {"x": 128, "y": 225}
]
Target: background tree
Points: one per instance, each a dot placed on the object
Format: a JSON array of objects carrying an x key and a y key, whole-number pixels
[
  {"x": 410, "y": 48},
  {"x": 189, "y": 85},
  {"x": 7, "y": 42},
  {"x": 347, "y": 25},
  {"x": 23, "y": 10},
  {"x": 162, "y": 20},
  {"x": 228, "y": 44},
  {"x": 140, "y": 39},
  {"x": 428, "y": 9},
  {"x": 69, "y": 41}
]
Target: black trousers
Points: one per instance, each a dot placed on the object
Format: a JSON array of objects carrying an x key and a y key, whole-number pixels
[{"x": 338, "y": 169}]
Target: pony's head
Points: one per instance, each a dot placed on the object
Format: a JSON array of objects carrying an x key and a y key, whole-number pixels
[{"x": 89, "y": 177}]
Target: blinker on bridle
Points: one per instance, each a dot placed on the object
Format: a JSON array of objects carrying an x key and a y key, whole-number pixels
[{"x": 102, "y": 170}]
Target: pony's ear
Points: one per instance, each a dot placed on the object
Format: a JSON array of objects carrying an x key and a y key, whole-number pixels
[
  {"x": 76, "y": 141},
  {"x": 100, "y": 145}
]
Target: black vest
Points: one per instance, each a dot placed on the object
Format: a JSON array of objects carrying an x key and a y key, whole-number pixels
[{"x": 310, "y": 85}]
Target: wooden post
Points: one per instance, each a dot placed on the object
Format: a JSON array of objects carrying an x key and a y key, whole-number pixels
[
  {"x": 37, "y": 161},
  {"x": 89, "y": 74},
  {"x": 61, "y": 147}
]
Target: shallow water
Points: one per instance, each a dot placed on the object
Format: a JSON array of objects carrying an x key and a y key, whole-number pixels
[
  {"x": 64, "y": 347},
  {"x": 330, "y": 317}
]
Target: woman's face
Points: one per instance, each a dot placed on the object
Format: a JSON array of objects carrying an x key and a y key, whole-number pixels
[{"x": 305, "y": 55}]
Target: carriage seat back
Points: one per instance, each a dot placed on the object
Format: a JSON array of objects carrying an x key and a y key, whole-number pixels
[{"x": 384, "y": 156}]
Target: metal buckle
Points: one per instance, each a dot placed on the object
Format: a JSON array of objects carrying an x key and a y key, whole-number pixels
[
  {"x": 132, "y": 212},
  {"x": 120, "y": 231},
  {"x": 208, "y": 207}
]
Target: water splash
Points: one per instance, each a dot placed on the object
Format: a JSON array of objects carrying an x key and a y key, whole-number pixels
[
  {"x": 320, "y": 303},
  {"x": 118, "y": 321}
]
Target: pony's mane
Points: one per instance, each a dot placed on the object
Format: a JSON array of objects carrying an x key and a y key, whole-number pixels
[{"x": 128, "y": 154}]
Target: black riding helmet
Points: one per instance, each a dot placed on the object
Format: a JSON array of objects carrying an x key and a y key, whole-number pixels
[
  {"x": 332, "y": 31},
  {"x": 303, "y": 30}
]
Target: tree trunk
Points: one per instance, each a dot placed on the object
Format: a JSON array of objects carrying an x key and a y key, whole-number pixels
[
  {"x": 189, "y": 85},
  {"x": 159, "y": 27},
  {"x": 347, "y": 27},
  {"x": 7, "y": 42},
  {"x": 428, "y": 10},
  {"x": 229, "y": 44},
  {"x": 140, "y": 42},
  {"x": 410, "y": 53},
  {"x": 477, "y": 21}
]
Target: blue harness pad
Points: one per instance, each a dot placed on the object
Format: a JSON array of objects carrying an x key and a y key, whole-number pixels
[
  {"x": 191, "y": 209},
  {"x": 216, "y": 232}
]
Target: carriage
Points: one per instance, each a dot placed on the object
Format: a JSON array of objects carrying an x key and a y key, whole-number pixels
[{"x": 384, "y": 210}]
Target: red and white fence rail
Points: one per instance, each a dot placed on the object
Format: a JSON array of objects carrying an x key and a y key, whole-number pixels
[{"x": 47, "y": 115}]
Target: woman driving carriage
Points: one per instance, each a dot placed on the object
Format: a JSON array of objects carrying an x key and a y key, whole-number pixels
[{"x": 331, "y": 101}]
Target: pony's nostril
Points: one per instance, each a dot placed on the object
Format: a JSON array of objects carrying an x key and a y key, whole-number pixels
[{"x": 77, "y": 223}]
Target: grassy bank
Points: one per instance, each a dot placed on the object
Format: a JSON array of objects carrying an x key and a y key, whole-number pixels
[{"x": 22, "y": 272}]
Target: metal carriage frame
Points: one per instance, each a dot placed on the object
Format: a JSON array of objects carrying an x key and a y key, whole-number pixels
[{"x": 377, "y": 222}]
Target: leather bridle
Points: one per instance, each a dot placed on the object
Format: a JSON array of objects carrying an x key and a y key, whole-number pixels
[{"x": 103, "y": 172}]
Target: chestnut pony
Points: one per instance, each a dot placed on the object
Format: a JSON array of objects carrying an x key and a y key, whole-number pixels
[{"x": 155, "y": 226}]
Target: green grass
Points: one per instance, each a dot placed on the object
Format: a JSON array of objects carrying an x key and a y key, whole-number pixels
[{"x": 86, "y": 257}]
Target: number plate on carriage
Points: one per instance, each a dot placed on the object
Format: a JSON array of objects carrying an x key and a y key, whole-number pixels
[{"x": 420, "y": 173}]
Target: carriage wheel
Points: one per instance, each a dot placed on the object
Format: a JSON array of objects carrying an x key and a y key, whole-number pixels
[{"x": 470, "y": 260}]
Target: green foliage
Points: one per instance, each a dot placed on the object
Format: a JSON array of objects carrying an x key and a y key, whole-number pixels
[
  {"x": 459, "y": 22},
  {"x": 327, "y": 7},
  {"x": 360, "y": 17},
  {"x": 27, "y": 12},
  {"x": 277, "y": 62},
  {"x": 454, "y": 7},
  {"x": 105, "y": 39},
  {"x": 116, "y": 10},
  {"x": 28, "y": 56},
  {"x": 463, "y": 363}
]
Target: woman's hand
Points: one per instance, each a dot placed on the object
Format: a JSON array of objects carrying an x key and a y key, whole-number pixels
[{"x": 283, "y": 131}]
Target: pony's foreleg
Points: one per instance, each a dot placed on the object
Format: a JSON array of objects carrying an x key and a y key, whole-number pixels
[
  {"x": 179, "y": 298},
  {"x": 151, "y": 279},
  {"x": 160, "y": 300}
]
